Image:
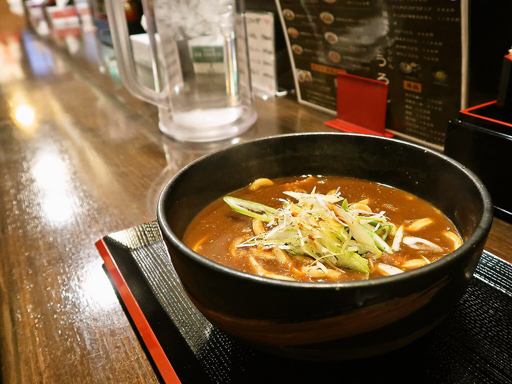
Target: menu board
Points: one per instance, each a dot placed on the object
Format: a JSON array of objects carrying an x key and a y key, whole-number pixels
[{"x": 413, "y": 46}]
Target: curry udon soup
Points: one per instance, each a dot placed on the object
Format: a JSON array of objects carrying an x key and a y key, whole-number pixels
[{"x": 321, "y": 228}]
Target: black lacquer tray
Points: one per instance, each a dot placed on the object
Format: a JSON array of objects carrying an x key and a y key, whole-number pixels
[{"x": 472, "y": 345}]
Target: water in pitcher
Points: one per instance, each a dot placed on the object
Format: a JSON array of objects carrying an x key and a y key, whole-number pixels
[
  {"x": 203, "y": 68},
  {"x": 199, "y": 58}
]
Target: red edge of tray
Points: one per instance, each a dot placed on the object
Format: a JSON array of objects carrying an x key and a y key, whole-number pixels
[
  {"x": 150, "y": 340},
  {"x": 469, "y": 112}
]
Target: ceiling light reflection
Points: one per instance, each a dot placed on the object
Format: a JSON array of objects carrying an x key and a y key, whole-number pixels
[
  {"x": 24, "y": 117},
  {"x": 57, "y": 196},
  {"x": 57, "y": 207},
  {"x": 97, "y": 288},
  {"x": 50, "y": 172}
]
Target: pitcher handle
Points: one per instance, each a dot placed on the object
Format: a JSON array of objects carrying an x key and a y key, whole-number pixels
[{"x": 124, "y": 53}]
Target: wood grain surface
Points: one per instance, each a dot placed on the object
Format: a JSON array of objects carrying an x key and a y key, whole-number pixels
[{"x": 80, "y": 158}]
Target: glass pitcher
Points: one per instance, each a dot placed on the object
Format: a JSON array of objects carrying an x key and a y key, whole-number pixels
[{"x": 200, "y": 66}]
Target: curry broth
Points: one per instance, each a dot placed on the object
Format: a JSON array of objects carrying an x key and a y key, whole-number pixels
[{"x": 216, "y": 230}]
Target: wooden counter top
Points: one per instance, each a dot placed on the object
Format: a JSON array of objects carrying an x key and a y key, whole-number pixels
[{"x": 79, "y": 158}]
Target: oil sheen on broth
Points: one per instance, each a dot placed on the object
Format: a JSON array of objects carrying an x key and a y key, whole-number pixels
[{"x": 321, "y": 228}]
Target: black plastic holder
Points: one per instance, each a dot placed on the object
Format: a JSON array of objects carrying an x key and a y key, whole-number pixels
[{"x": 481, "y": 139}]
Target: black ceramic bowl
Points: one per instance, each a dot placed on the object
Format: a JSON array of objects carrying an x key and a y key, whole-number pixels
[{"x": 327, "y": 320}]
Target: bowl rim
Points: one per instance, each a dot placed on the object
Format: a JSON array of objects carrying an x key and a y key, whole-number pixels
[{"x": 480, "y": 231}]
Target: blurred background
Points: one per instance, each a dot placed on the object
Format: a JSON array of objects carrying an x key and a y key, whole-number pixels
[{"x": 436, "y": 60}]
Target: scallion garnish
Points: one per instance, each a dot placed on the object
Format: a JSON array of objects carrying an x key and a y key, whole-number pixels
[{"x": 324, "y": 227}]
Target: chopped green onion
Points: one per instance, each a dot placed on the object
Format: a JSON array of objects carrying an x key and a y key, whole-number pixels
[
  {"x": 248, "y": 208},
  {"x": 323, "y": 227}
]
